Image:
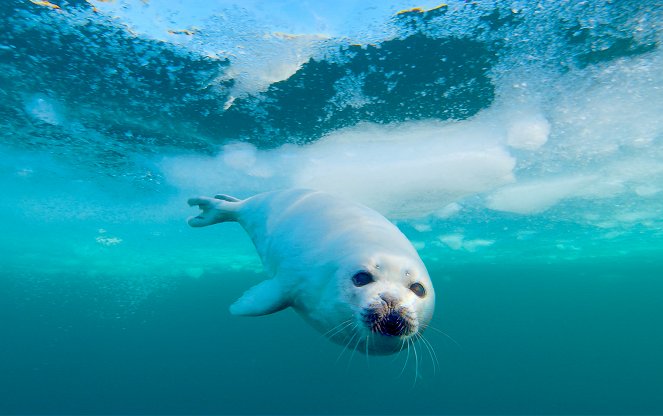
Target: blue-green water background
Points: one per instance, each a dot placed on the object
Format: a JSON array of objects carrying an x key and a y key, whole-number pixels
[
  {"x": 566, "y": 338},
  {"x": 110, "y": 304}
]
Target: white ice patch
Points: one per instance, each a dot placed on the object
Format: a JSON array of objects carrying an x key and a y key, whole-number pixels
[
  {"x": 458, "y": 242},
  {"x": 647, "y": 190},
  {"x": 422, "y": 228},
  {"x": 537, "y": 196},
  {"x": 407, "y": 171},
  {"x": 626, "y": 178},
  {"x": 43, "y": 109},
  {"x": 404, "y": 171},
  {"x": 529, "y": 131},
  {"x": 453, "y": 241},
  {"x": 419, "y": 245},
  {"x": 270, "y": 59},
  {"x": 108, "y": 241},
  {"x": 240, "y": 156},
  {"x": 448, "y": 211},
  {"x": 194, "y": 272}
]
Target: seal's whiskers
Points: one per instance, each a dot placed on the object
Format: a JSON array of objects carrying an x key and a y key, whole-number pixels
[
  {"x": 429, "y": 347},
  {"x": 433, "y": 350},
  {"x": 407, "y": 357},
  {"x": 443, "y": 333},
  {"x": 399, "y": 351},
  {"x": 416, "y": 362},
  {"x": 353, "y": 351},
  {"x": 354, "y": 334},
  {"x": 342, "y": 326}
]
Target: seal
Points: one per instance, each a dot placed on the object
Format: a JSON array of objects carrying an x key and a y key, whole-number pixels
[{"x": 343, "y": 267}]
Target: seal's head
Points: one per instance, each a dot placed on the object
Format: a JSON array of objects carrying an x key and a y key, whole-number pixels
[{"x": 389, "y": 299}]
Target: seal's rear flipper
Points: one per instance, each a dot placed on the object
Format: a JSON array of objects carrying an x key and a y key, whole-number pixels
[
  {"x": 224, "y": 197},
  {"x": 262, "y": 299},
  {"x": 214, "y": 210}
]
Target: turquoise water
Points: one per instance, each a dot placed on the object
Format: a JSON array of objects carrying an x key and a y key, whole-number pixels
[{"x": 517, "y": 144}]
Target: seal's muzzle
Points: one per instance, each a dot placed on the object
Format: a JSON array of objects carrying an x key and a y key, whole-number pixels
[{"x": 389, "y": 318}]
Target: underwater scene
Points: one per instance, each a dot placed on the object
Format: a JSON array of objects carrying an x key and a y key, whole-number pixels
[{"x": 518, "y": 145}]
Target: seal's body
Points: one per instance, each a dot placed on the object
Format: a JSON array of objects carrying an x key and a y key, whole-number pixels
[{"x": 342, "y": 266}]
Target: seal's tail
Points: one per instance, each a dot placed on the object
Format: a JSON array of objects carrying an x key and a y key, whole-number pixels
[{"x": 221, "y": 208}]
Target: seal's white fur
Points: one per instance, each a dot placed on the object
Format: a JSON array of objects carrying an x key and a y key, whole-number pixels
[{"x": 311, "y": 244}]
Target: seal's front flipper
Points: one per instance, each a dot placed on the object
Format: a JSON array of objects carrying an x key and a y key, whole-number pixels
[
  {"x": 262, "y": 299},
  {"x": 214, "y": 210}
]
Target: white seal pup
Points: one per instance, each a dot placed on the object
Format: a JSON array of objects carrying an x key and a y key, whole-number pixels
[{"x": 343, "y": 267}]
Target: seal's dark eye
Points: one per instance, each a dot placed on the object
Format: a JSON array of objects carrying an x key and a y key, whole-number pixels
[
  {"x": 362, "y": 279},
  {"x": 418, "y": 289}
]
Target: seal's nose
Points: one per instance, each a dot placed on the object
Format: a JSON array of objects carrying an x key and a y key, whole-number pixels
[
  {"x": 390, "y": 300},
  {"x": 389, "y": 317}
]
